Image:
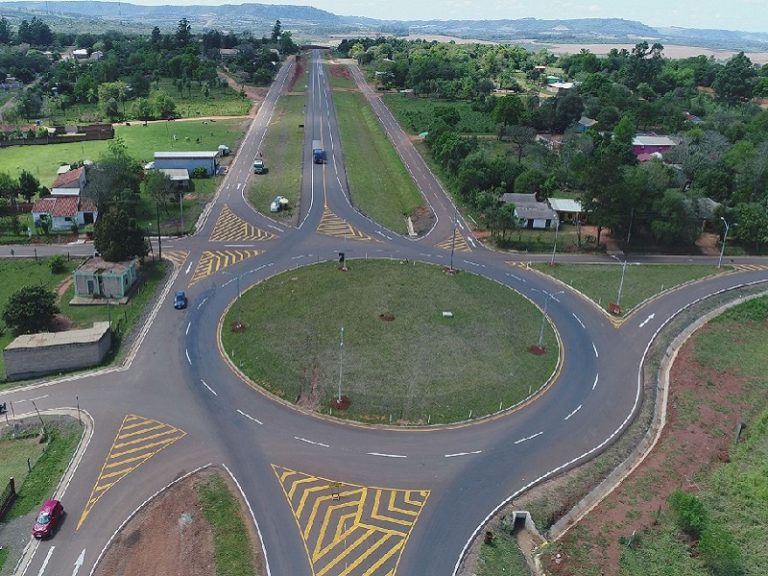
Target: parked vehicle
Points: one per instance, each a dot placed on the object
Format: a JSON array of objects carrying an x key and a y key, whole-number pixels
[
  {"x": 278, "y": 204},
  {"x": 47, "y": 519},
  {"x": 318, "y": 153},
  {"x": 259, "y": 167},
  {"x": 180, "y": 300},
  {"x": 223, "y": 149}
]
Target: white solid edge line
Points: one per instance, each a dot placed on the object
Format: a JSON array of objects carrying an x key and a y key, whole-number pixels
[
  {"x": 139, "y": 507},
  {"x": 253, "y": 518}
]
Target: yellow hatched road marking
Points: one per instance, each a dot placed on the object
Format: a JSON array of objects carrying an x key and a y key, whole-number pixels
[
  {"x": 344, "y": 553},
  {"x": 461, "y": 243},
  {"x": 333, "y": 225},
  {"x": 107, "y": 480},
  {"x": 230, "y": 227},
  {"x": 213, "y": 261},
  {"x": 177, "y": 257}
]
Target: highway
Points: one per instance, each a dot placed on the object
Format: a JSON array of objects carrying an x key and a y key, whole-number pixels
[{"x": 409, "y": 499}]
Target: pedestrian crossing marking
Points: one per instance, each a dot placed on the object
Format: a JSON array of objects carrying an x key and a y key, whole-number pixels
[
  {"x": 347, "y": 529},
  {"x": 460, "y": 245},
  {"x": 139, "y": 437},
  {"x": 333, "y": 225},
  {"x": 212, "y": 261},
  {"x": 230, "y": 227}
]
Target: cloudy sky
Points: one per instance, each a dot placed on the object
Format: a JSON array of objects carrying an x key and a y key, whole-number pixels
[{"x": 748, "y": 15}]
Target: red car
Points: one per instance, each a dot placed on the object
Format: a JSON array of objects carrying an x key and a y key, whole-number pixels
[{"x": 47, "y": 519}]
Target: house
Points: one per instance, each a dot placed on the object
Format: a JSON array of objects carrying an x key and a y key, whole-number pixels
[
  {"x": 570, "y": 211},
  {"x": 64, "y": 212},
  {"x": 584, "y": 124},
  {"x": 552, "y": 142},
  {"x": 559, "y": 86},
  {"x": 228, "y": 53},
  {"x": 69, "y": 183},
  {"x": 97, "y": 55},
  {"x": 188, "y": 161},
  {"x": 80, "y": 54},
  {"x": 97, "y": 278},
  {"x": 648, "y": 144},
  {"x": 531, "y": 213}
]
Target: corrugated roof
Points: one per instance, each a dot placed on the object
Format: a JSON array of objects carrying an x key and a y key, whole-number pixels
[
  {"x": 44, "y": 339},
  {"x": 653, "y": 141},
  {"x": 565, "y": 205},
  {"x": 176, "y": 174},
  {"x": 185, "y": 155},
  {"x": 538, "y": 211}
]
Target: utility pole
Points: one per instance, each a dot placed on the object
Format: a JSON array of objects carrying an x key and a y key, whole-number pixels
[
  {"x": 341, "y": 362},
  {"x": 159, "y": 241}
]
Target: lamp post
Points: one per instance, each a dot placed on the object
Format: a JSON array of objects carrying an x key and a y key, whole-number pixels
[
  {"x": 554, "y": 247},
  {"x": 237, "y": 279},
  {"x": 722, "y": 248},
  {"x": 621, "y": 283}
]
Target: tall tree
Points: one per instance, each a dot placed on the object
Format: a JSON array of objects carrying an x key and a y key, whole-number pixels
[
  {"x": 5, "y": 31},
  {"x": 28, "y": 185},
  {"x": 277, "y": 30},
  {"x": 736, "y": 80},
  {"x": 183, "y": 32},
  {"x": 30, "y": 309},
  {"x": 117, "y": 237}
]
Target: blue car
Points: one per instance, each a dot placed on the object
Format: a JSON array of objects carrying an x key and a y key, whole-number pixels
[{"x": 180, "y": 301}]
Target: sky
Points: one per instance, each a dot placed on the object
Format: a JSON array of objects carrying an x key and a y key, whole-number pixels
[{"x": 746, "y": 15}]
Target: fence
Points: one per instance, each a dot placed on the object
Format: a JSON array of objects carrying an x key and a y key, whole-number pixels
[{"x": 8, "y": 498}]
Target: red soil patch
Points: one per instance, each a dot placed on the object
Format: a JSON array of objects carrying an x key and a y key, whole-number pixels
[
  {"x": 341, "y": 404},
  {"x": 695, "y": 438},
  {"x": 339, "y": 71}
]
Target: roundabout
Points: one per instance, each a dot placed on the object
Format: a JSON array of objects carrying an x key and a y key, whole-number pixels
[{"x": 419, "y": 346}]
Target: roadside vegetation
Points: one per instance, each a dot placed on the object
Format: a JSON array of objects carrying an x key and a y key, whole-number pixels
[
  {"x": 232, "y": 545},
  {"x": 403, "y": 361},
  {"x": 464, "y": 95},
  {"x": 600, "y": 282},
  {"x": 380, "y": 186}
]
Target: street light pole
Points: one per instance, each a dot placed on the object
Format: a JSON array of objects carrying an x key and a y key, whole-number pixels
[
  {"x": 621, "y": 283},
  {"x": 722, "y": 248},
  {"x": 554, "y": 248},
  {"x": 341, "y": 362}
]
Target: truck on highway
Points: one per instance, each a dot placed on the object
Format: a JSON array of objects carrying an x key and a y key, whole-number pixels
[{"x": 318, "y": 153}]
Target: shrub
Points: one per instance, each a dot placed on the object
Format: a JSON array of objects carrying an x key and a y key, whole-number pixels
[
  {"x": 689, "y": 511},
  {"x": 199, "y": 173},
  {"x": 719, "y": 552},
  {"x": 57, "y": 264}
]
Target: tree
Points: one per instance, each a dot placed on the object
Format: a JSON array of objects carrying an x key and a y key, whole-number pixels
[
  {"x": 5, "y": 31},
  {"x": 9, "y": 187},
  {"x": 277, "y": 30},
  {"x": 159, "y": 187},
  {"x": 117, "y": 237},
  {"x": 736, "y": 80},
  {"x": 28, "y": 185},
  {"x": 30, "y": 309},
  {"x": 520, "y": 136},
  {"x": 183, "y": 32},
  {"x": 508, "y": 110},
  {"x": 752, "y": 220}
]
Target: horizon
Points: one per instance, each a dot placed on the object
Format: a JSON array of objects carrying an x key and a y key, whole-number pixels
[{"x": 735, "y": 15}]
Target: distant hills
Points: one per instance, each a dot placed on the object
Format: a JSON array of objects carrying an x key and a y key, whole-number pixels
[{"x": 312, "y": 23}]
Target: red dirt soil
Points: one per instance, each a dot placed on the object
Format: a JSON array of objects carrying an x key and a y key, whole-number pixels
[{"x": 695, "y": 438}]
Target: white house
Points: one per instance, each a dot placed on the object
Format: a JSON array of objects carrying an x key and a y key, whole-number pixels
[{"x": 63, "y": 212}]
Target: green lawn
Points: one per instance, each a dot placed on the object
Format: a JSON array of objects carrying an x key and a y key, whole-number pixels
[
  {"x": 25, "y": 272},
  {"x": 379, "y": 183},
  {"x": 195, "y": 199},
  {"x": 141, "y": 143},
  {"x": 418, "y": 368},
  {"x": 281, "y": 151},
  {"x": 416, "y": 114},
  {"x": 502, "y": 557},
  {"x": 600, "y": 282},
  {"x": 232, "y": 547}
]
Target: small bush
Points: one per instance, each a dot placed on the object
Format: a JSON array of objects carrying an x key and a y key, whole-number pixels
[
  {"x": 689, "y": 512},
  {"x": 199, "y": 173},
  {"x": 719, "y": 552},
  {"x": 57, "y": 264}
]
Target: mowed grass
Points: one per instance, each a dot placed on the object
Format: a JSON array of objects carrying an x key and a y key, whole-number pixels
[
  {"x": 141, "y": 143},
  {"x": 600, "y": 282},
  {"x": 420, "y": 367},
  {"x": 18, "y": 273},
  {"x": 502, "y": 557},
  {"x": 281, "y": 151},
  {"x": 416, "y": 114},
  {"x": 733, "y": 493},
  {"x": 232, "y": 547},
  {"x": 379, "y": 183}
]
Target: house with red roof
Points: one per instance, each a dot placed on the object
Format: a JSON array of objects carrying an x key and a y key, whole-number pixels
[
  {"x": 69, "y": 183},
  {"x": 64, "y": 213}
]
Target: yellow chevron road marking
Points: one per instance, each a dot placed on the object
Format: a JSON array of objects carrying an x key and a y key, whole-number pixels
[
  {"x": 350, "y": 530},
  {"x": 230, "y": 227},
  {"x": 177, "y": 257},
  {"x": 212, "y": 261},
  {"x": 144, "y": 448},
  {"x": 332, "y": 225},
  {"x": 461, "y": 244}
]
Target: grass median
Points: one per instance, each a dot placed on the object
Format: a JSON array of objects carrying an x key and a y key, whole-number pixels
[
  {"x": 403, "y": 360},
  {"x": 380, "y": 185}
]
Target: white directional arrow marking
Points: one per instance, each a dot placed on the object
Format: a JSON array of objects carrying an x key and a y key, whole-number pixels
[
  {"x": 644, "y": 322},
  {"x": 79, "y": 562}
]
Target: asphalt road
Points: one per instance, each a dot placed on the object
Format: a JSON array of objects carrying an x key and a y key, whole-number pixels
[{"x": 409, "y": 500}]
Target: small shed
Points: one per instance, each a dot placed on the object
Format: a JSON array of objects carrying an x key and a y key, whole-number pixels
[
  {"x": 179, "y": 177},
  {"x": 97, "y": 278},
  {"x": 188, "y": 161},
  {"x": 584, "y": 124},
  {"x": 568, "y": 210}
]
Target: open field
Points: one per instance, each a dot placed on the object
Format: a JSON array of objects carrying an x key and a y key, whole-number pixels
[
  {"x": 380, "y": 186},
  {"x": 402, "y": 359},
  {"x": 282, "y": 149},
  {"x": 416, "y": 114},
  {"x": 600, "y": 282}
]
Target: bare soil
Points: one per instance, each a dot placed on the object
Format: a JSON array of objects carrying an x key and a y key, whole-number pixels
[
  {"x": 169, "y": 537},
  {"x": 697, "y": 437}
]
